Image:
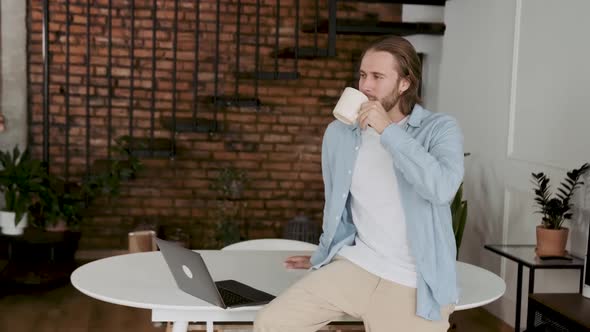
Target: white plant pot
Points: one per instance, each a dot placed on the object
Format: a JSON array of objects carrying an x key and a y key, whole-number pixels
[{"x": 7, "y": 223}]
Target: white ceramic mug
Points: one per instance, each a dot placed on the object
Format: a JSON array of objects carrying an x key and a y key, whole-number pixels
[{"x": 348, "y": 106}]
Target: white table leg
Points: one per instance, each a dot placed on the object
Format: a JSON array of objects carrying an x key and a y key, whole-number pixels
[
  {"x": 180, "y": 326},
  {"x": 209, "y": 326}
]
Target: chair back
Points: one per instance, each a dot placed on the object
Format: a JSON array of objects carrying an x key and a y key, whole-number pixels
[{"x": 271, "y": 244}]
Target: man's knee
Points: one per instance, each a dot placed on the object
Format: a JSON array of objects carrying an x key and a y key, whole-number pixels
[{"x": 267, "y": 319}]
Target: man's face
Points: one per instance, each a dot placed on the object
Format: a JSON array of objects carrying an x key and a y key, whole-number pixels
[{"x": 379, "y": 79}]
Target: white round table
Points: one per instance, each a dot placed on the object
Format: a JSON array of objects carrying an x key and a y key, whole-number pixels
[{"x": 143, "y": 280}]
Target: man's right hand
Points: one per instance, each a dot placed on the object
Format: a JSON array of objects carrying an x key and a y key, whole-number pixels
[{"x": 298, "y": 262}]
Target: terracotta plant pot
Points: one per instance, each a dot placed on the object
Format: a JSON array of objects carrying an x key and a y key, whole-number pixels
[{"x": 551, "y": 242}]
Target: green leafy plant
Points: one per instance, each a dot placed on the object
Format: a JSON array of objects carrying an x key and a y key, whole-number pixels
[
  {"x": 227, "y": 231},
  {"x": 556, "y": 210},
  {"x": 21, "y": 179},
  {"x": 229, "y": 185},
  {"x": 108, "y": 181},
  {"x": 60, "y": 200},
  {"x": 459, "y": 216}
]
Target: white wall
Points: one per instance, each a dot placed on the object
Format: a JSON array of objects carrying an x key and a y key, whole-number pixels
[
  {"x": 431, "y": 46},
  {"x": 515, "y": 74},
  {"x": 13, "y": 76},
  {"x": 420, "y": 13}
]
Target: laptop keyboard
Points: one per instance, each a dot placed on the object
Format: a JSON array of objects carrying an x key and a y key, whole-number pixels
[{"x": 231, "y": 299}]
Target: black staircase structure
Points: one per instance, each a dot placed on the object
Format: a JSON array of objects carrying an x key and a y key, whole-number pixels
[{"x": 204, "y": 115}]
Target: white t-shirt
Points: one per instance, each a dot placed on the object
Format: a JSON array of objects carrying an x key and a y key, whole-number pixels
[{"x": 381, "y": 245}]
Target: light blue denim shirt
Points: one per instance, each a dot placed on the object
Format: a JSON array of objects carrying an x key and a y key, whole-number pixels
[{"x": 428, "y": 161}]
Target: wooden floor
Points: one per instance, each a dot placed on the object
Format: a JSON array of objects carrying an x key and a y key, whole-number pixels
[{"x": 64, "y": 309}]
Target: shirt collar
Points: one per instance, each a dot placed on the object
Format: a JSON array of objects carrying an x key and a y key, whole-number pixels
[{"x": 417, "y": 115}]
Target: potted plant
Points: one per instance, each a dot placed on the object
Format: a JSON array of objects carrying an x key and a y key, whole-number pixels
[
  {"x": 106, "y": 180},
  {"x": 459, "y": 216},
  {"x": 230, "y": 185},
  {"x": 59, "y": 206},
  {"x": 551, "y": 235},
  {"x": 61, "y": 203},
  {"x": 21, "y": 179}
]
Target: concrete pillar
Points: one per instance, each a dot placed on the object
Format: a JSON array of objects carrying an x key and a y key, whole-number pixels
[{"x": 13, "y": 73}]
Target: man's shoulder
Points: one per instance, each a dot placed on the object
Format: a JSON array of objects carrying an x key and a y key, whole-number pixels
[
  {"x": 336, "y": 128},
  {"x": 437, "y": 119}
]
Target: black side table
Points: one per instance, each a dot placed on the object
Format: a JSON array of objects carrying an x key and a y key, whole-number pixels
[
  {"x": 37, "y": 257},
  {"x": 558, "y": 312},
  {"x": 524, "y": 255}
]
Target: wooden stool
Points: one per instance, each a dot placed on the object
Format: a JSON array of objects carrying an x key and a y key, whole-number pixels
[{"x": 142, "y": 241}]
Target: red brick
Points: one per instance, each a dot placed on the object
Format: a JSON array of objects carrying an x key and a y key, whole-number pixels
[
  {"x": 276, "y": 138},
  {"x": 284, "y": 134}
]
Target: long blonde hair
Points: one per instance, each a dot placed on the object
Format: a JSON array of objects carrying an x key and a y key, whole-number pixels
[{"x": 410, "y": 67}]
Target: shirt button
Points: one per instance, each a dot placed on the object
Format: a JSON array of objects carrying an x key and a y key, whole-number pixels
[
  {"x": 343, "y": 195},
  {"x": 337, "y": 218},
  {"x": 349, "y": 172},
  {"x": 356, "y": 148}
]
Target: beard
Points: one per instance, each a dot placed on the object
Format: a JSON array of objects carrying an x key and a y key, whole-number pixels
[{"x": 389, "y": 101}]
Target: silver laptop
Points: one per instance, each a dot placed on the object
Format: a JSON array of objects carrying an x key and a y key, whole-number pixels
[{"x": 193, "y": 277}]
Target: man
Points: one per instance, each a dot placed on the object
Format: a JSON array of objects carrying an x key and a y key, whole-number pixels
[{"x": 389, "y": 180}]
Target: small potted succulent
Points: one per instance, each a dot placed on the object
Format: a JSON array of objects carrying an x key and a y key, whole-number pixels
[{"x": 555, "y": 210}]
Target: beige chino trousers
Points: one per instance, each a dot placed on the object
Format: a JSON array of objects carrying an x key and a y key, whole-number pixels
[{"x": 342, "y": 287}]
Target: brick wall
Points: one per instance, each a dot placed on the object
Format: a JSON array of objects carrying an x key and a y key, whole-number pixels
[{"x": 278, "y": 145}]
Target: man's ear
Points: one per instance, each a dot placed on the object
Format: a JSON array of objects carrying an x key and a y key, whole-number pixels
[{"x": 404, "y": 85}]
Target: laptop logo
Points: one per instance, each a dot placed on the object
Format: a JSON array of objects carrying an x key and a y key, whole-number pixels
[{"x": 187, "y": 271}]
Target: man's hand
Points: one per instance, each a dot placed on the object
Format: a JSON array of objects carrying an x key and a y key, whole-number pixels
[
  {"x": 298, "y": 262},
  {"x": 372, "y": 114}
]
